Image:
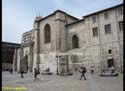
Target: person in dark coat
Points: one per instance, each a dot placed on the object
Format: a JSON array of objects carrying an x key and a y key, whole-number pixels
[
  {"x": 11, "y": 71},
  {"x": 83, "y": 73},
  {"x": 22, "y": 72},
  {"x": 92, "y": 71},
  {"x": 36, "y": 72}
]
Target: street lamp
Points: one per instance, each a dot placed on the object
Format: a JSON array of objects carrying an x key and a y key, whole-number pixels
[
  {"x": 57, "y": 64},
  {"x": 67, "y": 65}
]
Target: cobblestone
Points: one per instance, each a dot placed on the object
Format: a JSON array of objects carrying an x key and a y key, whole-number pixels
[{"x": 63, "y": 83}]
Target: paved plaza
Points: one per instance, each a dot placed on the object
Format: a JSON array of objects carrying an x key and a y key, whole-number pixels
[{"x": 62, "y": 83}]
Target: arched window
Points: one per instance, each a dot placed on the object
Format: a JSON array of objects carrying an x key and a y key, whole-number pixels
[
  {"x": 75, "y": 42},
  {"x": 47, "y": 33}
]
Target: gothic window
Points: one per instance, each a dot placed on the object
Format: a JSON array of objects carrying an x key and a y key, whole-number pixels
[
  {"x": 47, "y": 33},
  {"x": 75, "y": 42}
]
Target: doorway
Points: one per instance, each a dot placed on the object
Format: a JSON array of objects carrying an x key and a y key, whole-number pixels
[{"x": 110, "y": 63}]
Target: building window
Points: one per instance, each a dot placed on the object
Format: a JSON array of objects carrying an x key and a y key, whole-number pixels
[
  {"x": 95, "y": 32},
  {"x": 108, "y": 29},
  {"x": 110, "y": 62},
  {"x": 106, "y": 15},
  {"x": 120, "y": 11},
  {"x": 24, "y": 40},
  {"x": 94, "y": 19},
  {"x": 121, "y": 25},
  {"x": 75, "y": 42},
  {"x": 110, "y": 51},
  {"x": 47, "y": 33}
]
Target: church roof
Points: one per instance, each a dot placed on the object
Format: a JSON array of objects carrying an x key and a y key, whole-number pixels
[
  {"x": 75, "y": 22},
  {"x": 61, "y": 12},
  {"x": 67, "y": 14},
  {"x": 103, "y": 10}
]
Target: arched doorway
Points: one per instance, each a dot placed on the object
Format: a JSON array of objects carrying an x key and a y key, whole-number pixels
[
  {"x": 75, "y": 42},
  {"x": 24, "y": 63}
]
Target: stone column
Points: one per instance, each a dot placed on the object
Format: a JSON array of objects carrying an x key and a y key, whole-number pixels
[
  {"x": 15, "y": 60},
  {"x": 21, "y": 57},
  {"x": 31, "y": 58}
]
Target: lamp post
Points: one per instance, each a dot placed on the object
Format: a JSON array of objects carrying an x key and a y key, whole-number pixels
[
  {"x": 57, "y": 63},
  {"x": 68, "y": 65}
]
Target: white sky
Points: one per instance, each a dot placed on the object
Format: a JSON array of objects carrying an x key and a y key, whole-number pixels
[{"x": 18, "y": 15}]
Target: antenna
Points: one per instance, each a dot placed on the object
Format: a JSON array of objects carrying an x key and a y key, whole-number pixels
[
  {"x": 36, "y": 14},
  {"x": 39, "y": 14}
]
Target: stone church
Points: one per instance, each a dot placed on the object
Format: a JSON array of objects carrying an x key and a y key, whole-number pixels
[{"x": 61, "y": 41}]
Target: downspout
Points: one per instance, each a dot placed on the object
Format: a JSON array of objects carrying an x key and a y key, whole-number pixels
[{"x": 100, "y": 44}]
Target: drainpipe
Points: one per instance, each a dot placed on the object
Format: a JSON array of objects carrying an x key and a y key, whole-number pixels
[{"x": 100, "y": 44}]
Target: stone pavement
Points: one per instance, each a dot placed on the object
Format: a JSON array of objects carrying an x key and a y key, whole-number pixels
[{"x": 63, "y": 83}]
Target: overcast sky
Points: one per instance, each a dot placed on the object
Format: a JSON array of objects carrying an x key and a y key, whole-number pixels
[{"x": 18, "y": 15}]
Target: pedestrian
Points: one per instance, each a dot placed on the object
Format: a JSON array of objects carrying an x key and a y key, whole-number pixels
[
  {"x": 112, "y": 69},
  {"x": 22, "y": 72},
  {"x": 11, "y": 71},
  {"x": 36, "y": 72},
  {"x": 83, "y": 73},
  {"x": 103, "y": 71},
  {"x": 92, "y": 71},
  {"x": 75, "y": 70},
  {"x": 63, "y": 71},
  {"x": 48, "y": 70}
]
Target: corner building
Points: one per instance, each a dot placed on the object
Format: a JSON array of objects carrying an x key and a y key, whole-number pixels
[{"x": 96, "y": 41}]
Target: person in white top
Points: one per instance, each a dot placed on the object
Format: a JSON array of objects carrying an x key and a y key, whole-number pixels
[{"x": 112, "y": 69}]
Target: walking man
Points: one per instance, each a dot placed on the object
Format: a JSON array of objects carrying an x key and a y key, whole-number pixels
[
  {"x": 11, "y": 71},
  {"x": 22, "y": 71},
  {"x": 83, "y": 73},
  {"x": 36, "y": 72}
]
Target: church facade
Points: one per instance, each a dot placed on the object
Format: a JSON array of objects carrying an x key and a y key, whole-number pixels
[{"x": 61, "y": 41}]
